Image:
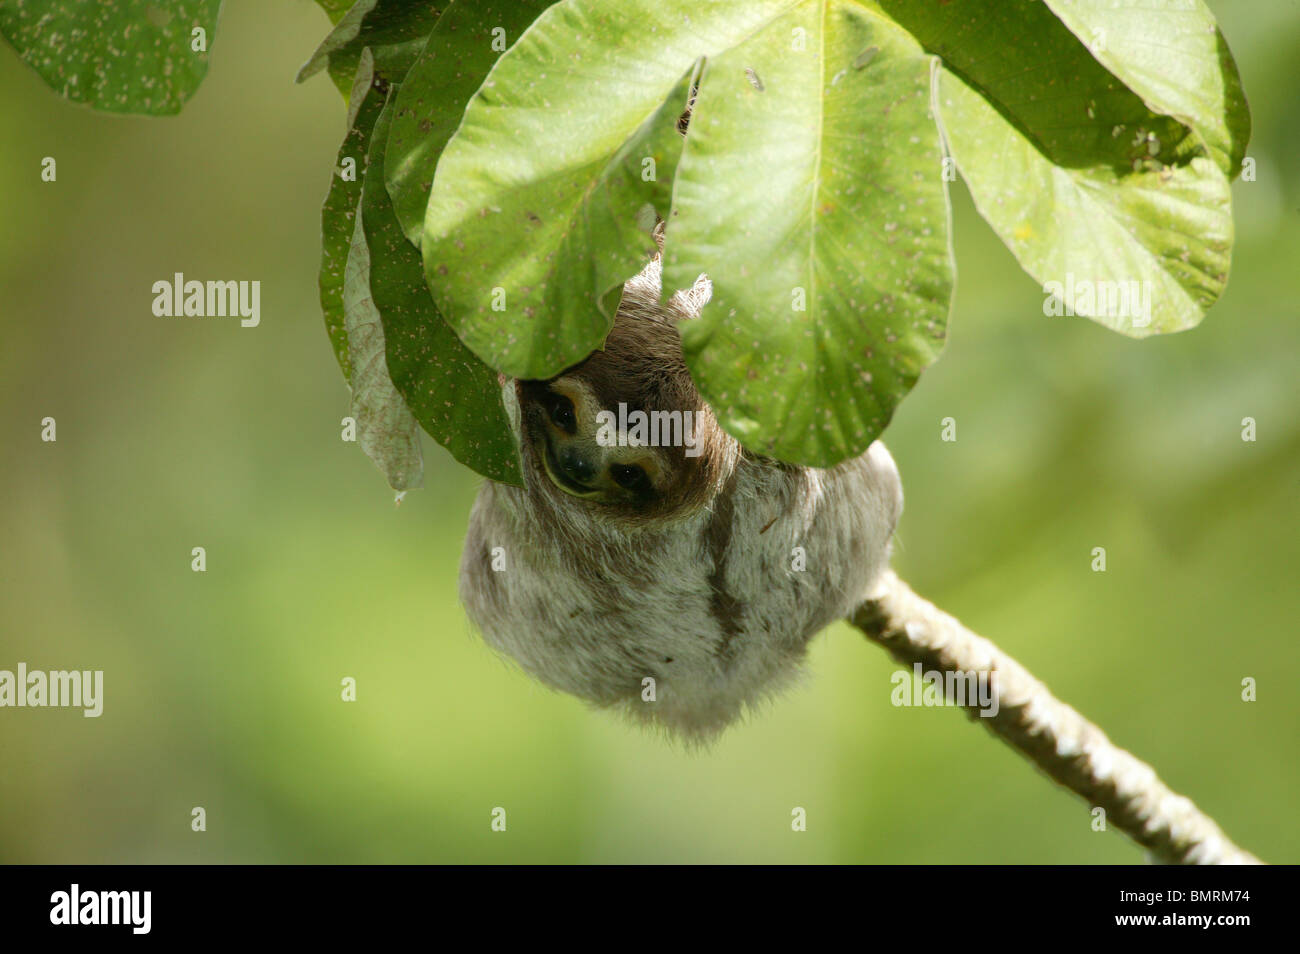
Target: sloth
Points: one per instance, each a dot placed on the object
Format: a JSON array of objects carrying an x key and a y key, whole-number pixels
[{"x": 680, "y": 584}]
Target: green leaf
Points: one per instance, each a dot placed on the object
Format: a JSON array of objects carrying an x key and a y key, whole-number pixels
[
  {"x": 1037, "y": 74},
  {"x": 393, "y": 30},
  {"x": 532, "y": 222},
  {"x": 1171, "y": 53},
  {"x": 461, "y": 50},
  {"x": 827, "y": 181},
  {"x": 455, "y": 397},
  {"x": 338, "y": 213},
  {"x": 811, "y": 186},
  {"x": 831, "y": 279},
  {"x": 1095, "y": 232},
  {"x": 1088, "y": 187},
  {"x": 130, "y": 56},
  {"x": 386, "y": 429}
]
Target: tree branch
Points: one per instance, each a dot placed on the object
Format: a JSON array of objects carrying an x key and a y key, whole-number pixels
[{"x": 1054, "y": 737}]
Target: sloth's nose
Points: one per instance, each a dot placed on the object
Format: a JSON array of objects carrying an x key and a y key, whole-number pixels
[{"x": 575, "y": 466}]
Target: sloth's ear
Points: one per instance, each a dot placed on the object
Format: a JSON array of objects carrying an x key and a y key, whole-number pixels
[{"x": 691, "y": 301}]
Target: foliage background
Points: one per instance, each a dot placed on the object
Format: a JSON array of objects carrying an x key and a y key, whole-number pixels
[{"x": 222, "y": 689}]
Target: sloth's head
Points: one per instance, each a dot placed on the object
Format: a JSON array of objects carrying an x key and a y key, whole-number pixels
[{"x": 625, "y": 431}]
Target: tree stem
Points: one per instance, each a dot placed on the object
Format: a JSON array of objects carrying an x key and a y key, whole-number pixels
[{"x": 1054, "y": 737}]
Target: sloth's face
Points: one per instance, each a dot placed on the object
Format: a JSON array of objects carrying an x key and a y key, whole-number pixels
[
  {"x": 623, "y": 436},
  {"x": 569, "y": 442},
  {"x": 580, "y": 445}
]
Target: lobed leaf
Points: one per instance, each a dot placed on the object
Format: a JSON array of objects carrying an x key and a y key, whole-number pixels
[
  {"x": 533, "y": 220},
  {"x": 778, "y": 193},
  {"x": 1096, "y": 138}
]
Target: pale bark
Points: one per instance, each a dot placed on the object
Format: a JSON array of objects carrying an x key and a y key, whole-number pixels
[{"x": 1054, "y": 737}]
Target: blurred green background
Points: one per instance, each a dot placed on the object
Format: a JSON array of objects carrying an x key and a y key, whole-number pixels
[{"x": 222, "y": 688}]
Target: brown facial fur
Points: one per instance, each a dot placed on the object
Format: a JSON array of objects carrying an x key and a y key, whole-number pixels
[{"x": 640, "y": 365}]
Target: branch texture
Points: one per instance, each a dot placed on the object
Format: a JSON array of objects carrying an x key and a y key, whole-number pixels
[{"x": 1054, "y": 737}]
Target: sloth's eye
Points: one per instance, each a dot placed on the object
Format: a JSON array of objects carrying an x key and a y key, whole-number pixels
[
  {"x": 631, "y": 477},
  {"x": 562, "y": 415}
]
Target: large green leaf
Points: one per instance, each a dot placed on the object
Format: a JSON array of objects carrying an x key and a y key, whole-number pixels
[
  {"x": 533, "y": 221},
  {"x": 1090, "y": 188},
  {"x": 454, "y": 395},
  {"x": 811, "y": 184},
  {"x": 816, "y": 172},
  {"x": 1142, "y": 251},
  {"x": 393, "y": 30},
  {"x": 338, "y": 213},
  {"x": 810, "y": 192},
  {"x": 1042, "y": 79},
  {"x": 460, "y": 51},
  {"x": 1171, "y": 53},
  {"x": 129, "y": 56}
]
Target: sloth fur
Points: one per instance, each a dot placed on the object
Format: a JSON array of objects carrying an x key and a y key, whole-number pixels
[{"x": 678, "y": 598}]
